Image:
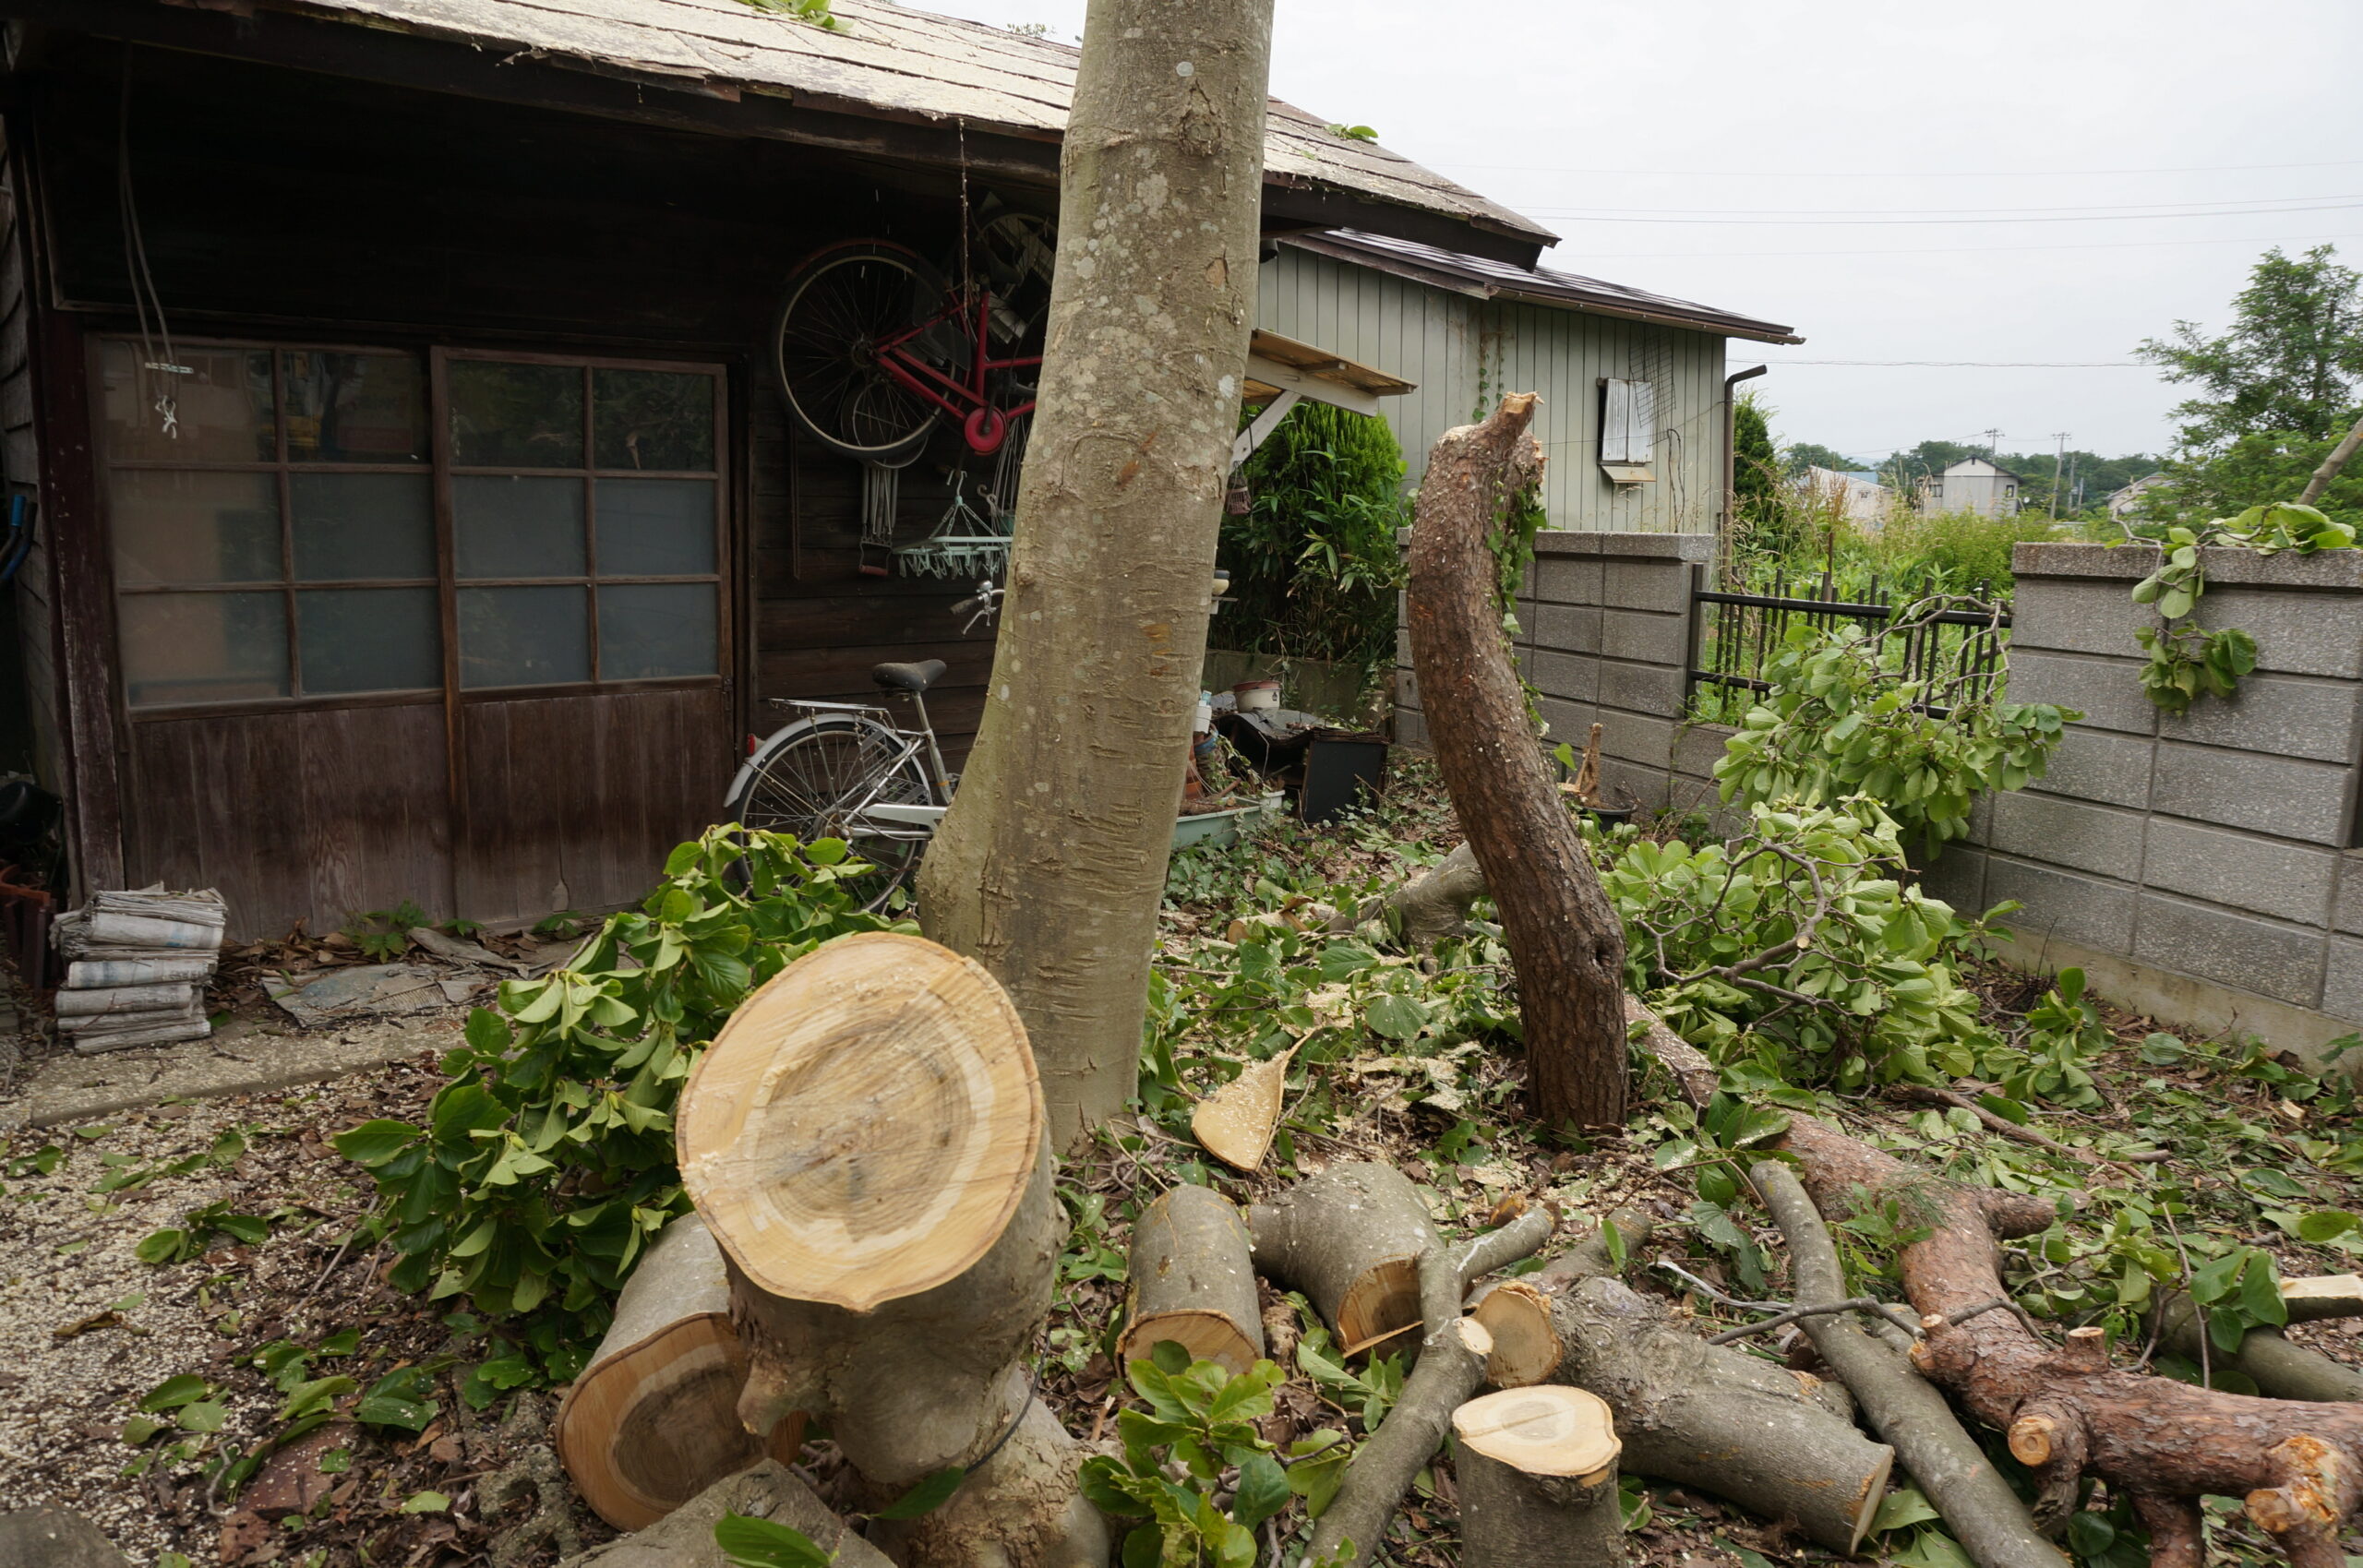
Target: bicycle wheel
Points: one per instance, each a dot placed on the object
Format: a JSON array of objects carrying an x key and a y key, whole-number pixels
[
  {"x": 841, "y": 305},
  {"x": 814, "y": 776}
]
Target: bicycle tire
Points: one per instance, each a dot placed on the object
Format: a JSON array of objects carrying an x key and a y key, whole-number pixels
[
  {"x": 837, "y": 302},
  {"x": 800, "y": 780}
]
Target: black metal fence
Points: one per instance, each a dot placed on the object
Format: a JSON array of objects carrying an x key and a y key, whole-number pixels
[{"x": 1958, "y": 646}]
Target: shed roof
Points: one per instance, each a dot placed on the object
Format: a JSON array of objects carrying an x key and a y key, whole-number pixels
[
  {"x": 1488, "y": 279},
  {"x": 892, "y": 62}
]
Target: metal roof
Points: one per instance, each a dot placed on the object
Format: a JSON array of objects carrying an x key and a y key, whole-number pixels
[
  {"x": 888, "y": 61},
  {"x": 1487, "y": 279}
]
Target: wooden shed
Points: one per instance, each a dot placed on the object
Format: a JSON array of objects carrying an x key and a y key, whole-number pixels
[{"x": 415, "y": 512}]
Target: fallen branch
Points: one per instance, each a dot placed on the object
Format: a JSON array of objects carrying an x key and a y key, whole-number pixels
[
  {"x": 1192, "y": 1282},
  {"x": 1431, "y": 906},
  {"x": 1977, "y": 1504},
  {"x": 1451, "y": 1369},
  {"x": 1928, "y": 1094},
  {"x": 1788, "y": 1315},
  {"x": 2277, "y": 1368},
  {"x": 2161, "y": 1443}
]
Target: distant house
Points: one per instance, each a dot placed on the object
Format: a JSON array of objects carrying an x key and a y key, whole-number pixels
[
  {"x": 1855, "y": 493},
  {"x": 2128, "y": 500},
  {"x": 1973, "y": 484}
]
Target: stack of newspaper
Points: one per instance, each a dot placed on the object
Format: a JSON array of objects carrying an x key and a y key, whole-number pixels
[{"x": 137, "y": 967}]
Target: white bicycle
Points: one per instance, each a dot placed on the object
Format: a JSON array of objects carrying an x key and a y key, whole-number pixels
[{"x": 846, "y": 771}]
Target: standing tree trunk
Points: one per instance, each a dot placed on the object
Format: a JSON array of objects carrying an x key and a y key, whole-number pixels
[
  {"x": 1050, "y": 863},
  {"x": 1566, "y": 940}
]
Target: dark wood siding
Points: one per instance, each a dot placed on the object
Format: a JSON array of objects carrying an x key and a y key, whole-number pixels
[{"x": 422, "y": 221}]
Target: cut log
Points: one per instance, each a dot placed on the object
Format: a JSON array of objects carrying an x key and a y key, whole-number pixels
[
  {"x": 1952, "y": 1472},
  {"x": 1705, "y": 1416},
  {"x": 769, "y": 1490},
  {"x": 2162, "y": 1443},
  {"x": 2277, "y": 1368},
  {"x": 2323, "y": 1296},
  {"x": 1235, "y": 1122},
  {"x": 1192, "y": 1280},
  {"x": 653, "y": 1420},
  {"x": 1537, "y": 1477},
  {"x": 1564, "y": 939},
  {"x": 1350, "y": 1239},
  {"x": 1431, "y": 906},
  {"x": 1516, "y": 1313},
  {"x": 865, "y": 1139}
]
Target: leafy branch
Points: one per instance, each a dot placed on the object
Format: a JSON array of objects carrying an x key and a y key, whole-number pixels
[{"x": 2186, "y": 662}]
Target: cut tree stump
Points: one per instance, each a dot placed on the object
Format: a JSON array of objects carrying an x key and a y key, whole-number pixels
[
  {"x": 1566, "y": 940},
  {"x": 1192, "y": 1280},
  {"x": 865, "y": 1139},
  {"x": 1350, "y": 1239},
  {"x": 2068, "y": 1412},
  {"x": 1235, "y": 1122},
  {"x": 1432, "y": 907},
  {"x": 1704, "y": 1416},
  {"x": 653, "y": 1420},
  {"x": 1536, "y": 1471}
]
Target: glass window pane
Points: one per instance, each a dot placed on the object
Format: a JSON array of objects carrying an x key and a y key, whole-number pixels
[
  {"x": 221, "y": 413},
  {"x": 652, "y": 629},
  {"x": 517, "y": 527},
  {"x": 354, "y": 407},
  {"x": 516, "y": 415},
  {"x": 170, "y": 527},
  {"x": 369, "y": 639},
  {"x": 350, "y": 525},
  {"x": 523, "y": 636},
  {"x": 656, "y": 527},
  {"x": 652, "y": 418},
  {"x": 203, "y": 647}
]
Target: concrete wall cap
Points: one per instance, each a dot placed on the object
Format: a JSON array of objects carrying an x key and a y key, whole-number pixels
[{"x": 2328, "y": 569}]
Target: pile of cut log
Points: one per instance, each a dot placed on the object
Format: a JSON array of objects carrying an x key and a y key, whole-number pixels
[{"x": 137, "y": 967}]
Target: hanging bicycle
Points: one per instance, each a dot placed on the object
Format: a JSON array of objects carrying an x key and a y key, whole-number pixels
[{"x": 873, "y": 346}]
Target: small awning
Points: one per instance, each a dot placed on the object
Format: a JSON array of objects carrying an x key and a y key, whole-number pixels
[{"x": 1276, "y": 365}]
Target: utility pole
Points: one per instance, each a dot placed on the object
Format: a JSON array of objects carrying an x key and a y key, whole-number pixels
[
  {"x": 1993, "y": 445},
  {"x": 2058, "y": 461}
]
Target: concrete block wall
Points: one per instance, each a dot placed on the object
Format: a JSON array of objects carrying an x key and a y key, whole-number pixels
[
  {"x": 2202, "y": 863},
  {"x": 1604, "y": 634}
]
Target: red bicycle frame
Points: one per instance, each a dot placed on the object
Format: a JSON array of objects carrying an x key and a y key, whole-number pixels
[{"x": 983, "y": 424}]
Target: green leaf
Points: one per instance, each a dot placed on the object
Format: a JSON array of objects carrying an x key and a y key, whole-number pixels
[
  {"x": 1263, "y": 1490},
  {"x": 374, "y": 1143},
  {"x": 161, "y": 1246},
  {"x": 174, "y": 1393},
  {"x": 1611, "y": 1240},
  {"x": 764, "y": 1543},
  {"x": 317, "y": 1394},
  {"x": 426, "y": 1502},
  {"x": 401, "y": 1399},
  {"x": 1170, "y": 1357},
  {"x": 1395, "y": 1017},
  {"x": 139, "y": 1429},
  {"x": 2089, "y": 1534},
  {"x": 2326, "y": 1224},
  {"x": 1902, "y": 1506},
  {"x": 930, "y": 1494},
  {"x": 204, "y": 1416}
]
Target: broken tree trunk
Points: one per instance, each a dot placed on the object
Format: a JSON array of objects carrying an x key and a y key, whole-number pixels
[
  {"x": 653, "y": 1420},
  {"x": 1192, "y": 1280},
  {"x": 1703, "y": 1415},
  {"x": 2162, "y": 1443},
  {"x": 1566, "y": 940},
  {"x": 1536, "y": 1471},
  {"x": 1432, "y": 907},
  {"x": 864, "y": 1140},
  {"x": 1050, "y": 864},
  {"x": 1953, "y": 1473},
  {"x": 1350, "y": 1239}
]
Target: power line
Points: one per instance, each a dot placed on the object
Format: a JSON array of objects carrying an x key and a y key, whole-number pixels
[
  {"x": 1584, "y": 216},
  {"x": 1900, "y": 173},
  {"x": 1987, "y": 364},
  {"x": 1964, "y": 249}
]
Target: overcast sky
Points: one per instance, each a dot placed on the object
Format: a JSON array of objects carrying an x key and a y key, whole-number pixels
[{"x": 2079, "y": 121}]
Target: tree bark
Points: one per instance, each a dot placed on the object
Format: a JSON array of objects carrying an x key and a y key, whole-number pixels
[
  {"x": 864, "y": 1140},
  {"x": 767, "y": 1491},
  {"x": 1351, "y": 1240},
  {"x": 1536, "y": 1471},
  {"x": 1565, "y": 939},
  {"x": 1703, "y": 1415},
  {"x": 1192, "y": 1282},
  {"x": 1978, "y": 1505},
  {"x": 1050, "y": 863},
  {"x": 2166, "y": 1444},
  {"x": 2332, "y": 466},
  {"x": 653, "y": 1420}
]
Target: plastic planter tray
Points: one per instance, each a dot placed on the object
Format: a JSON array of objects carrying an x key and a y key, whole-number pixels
[{"x": 1219, "y": 827}]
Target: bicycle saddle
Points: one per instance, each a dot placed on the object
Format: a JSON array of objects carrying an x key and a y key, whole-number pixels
[{"x": 908, "y": 677}]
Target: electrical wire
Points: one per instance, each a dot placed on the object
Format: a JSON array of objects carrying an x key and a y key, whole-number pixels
[
  {"x": 144, "y": 298},
  {"x": 1899, "y": 174},
  {"x": 1985, "y": 364},
  {"x": 1590, "y": 256},
  {"x": 2127, "y": 207},
  {"x": 1587, "y": 217}
]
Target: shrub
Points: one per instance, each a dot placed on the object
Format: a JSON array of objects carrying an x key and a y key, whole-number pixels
[
  {"x": 546, "y": 1162},
  {"x": 1314, "y": 565}
]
